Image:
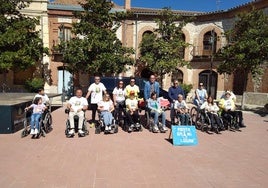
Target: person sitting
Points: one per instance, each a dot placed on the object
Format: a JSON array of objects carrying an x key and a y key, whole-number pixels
[
  {"x": 182, "y": 110},
  {"x": 38, "y": 109},
  {"x": 106, "y": 107},
  {"x": 200, "y": 95},
  {"x": 228, "y": 108},
  {"x": 76, "y": 106},
  {"x": 156, "y": 111},
  {"x": 132, "y": 111},
  {"x": 212, "y": 109}
]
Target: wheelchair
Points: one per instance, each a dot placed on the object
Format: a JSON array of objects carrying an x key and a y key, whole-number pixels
[
  {"x": 135, "y": 127},
  {"x": 45, "y": 124},
  {"x": 230, "y": 122},
  {"x": 202, "y": 120},
  {"x": 76, "y": 119},
  {"x": 178, "y": 122},
  {"x": 100, "y": 126},
  {"x": 149, "y": 122}
]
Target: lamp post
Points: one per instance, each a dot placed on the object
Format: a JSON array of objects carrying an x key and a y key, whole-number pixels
[
  {"x": 212, "y": 41},
  {"x": 62, "y": 38}
]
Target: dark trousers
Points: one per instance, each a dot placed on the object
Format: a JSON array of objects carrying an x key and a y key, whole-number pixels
[
  {"x": 133, "y": 118},
  {"x": 94, "y": 108},
  {"x": 215, "y": 120},
  {"x": 236, "y": 114}
]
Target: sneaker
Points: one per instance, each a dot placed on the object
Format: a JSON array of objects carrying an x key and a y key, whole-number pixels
[
  {"x": 110, "y": 128},
  {"x": 36, "y": 131},
  {"x": 32, "y": 132},
  {"x": 137, "y": 125},
  {"x": 81, "y": 131},
  {"x": 156, "y": 128},
  {"x": 106, "y": 128},
  {"x": 132, "y": 125},
  {"x": 164, "y": 128},
  {"x": 71, "y": 132}
]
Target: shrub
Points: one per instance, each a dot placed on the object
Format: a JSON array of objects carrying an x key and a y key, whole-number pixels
[
  {"x": 187, "y": 88},
  {"x": 32, "y": 85}
]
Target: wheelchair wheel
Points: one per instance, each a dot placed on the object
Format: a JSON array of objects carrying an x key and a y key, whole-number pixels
[
  {"x": 47, "y": 123},
  {"x": 67, "y": 127}
]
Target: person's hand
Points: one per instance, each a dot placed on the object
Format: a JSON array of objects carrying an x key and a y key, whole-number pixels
[{"x": 71, "y": 110}]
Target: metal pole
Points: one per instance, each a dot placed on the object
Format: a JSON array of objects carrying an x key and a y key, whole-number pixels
[
  {"x": 62, "y": 29},
  {"x": 211, "y": 60}
]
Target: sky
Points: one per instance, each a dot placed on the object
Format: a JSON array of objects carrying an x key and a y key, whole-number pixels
[{"x": 189, "y": 5}]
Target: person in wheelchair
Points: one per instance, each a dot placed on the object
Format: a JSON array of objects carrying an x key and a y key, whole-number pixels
[
  {"x": 155, "y": 110},
  {"x": 38, "y": 109},
  {"x": 119, "y": 94},
  {"x": 212, "y": 109},
  {"x": 106, "y": 108},
  {"x": 132, "y": 112},
  {"x": 229, "y": 112},
  {"x": 77, "y": 105},
  {"x": 182, "y": 110}
]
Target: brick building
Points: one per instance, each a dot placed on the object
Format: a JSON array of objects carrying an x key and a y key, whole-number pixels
[{"x": 57, "y": 22}]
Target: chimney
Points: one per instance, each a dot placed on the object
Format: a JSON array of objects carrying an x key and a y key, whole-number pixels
[{"x": 127, "y": 4}]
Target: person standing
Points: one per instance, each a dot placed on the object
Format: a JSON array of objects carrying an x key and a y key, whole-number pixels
[
  {"x": 119, "y": 97},
  {"x": 41, "y": 93},
  {"x": 95, "y": 91},
  {"x": 151, "y": 86},
  {"x": 200, "y": 95},
  {"x": 173, "y": 93},
  {"x": 132, "y": 87}
]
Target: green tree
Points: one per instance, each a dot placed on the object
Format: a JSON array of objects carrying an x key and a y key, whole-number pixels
[
  {"x": 248, "y": 44},
  {"x": 162, "y": 51},
  {"x": 20, "y": 44},
  {"x": 95, "y": 46}
]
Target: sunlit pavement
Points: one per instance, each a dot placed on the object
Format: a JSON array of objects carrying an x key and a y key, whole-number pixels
[{"x": 138, "y": 159}]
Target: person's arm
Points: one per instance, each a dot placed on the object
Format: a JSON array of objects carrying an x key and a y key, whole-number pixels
[
  {"x": 157, "y": 89},
  {"x": 169, "y": 94},
  {"x": 88, "y": 94},
  {"x": 114, "y": 95},
  {"x": 111, "y": 106},
  {"x": 146, "y": 91}
]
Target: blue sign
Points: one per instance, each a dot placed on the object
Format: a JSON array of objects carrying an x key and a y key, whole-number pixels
[{"x": 184, "y": 135}]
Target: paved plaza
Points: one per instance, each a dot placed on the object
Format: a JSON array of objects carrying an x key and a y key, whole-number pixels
[{"x": 139, "y": 159}]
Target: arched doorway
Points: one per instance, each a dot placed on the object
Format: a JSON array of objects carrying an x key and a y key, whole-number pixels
[
  {"x": 65, "y": 82},
  {"x": 178, "y": 75},
  {"x": 210, "y": 80}
]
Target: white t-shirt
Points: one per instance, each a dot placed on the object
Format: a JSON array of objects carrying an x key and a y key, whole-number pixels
[
  {"x": 96, "y": 92},
  {"x": 38, "y": 108},
  {"x": 132, "y": 104},
  {"x": 77, "y": 102},
  {"x": 44, "y": 97},
  {"x": 120, "y": 94},
  {"x": 180, "y": 105},
  {"x": 106, "y": 105}
]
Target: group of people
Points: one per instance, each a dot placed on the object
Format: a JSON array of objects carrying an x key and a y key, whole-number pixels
[
  {"x": 226, "y": 108},
  {"x": 125, "y": 100}
]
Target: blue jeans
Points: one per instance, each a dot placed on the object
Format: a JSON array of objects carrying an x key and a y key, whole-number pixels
[
  {"x": 35, "y": 120},
  {"x": 107, "y": 117},
  {"x": 155, "y": 115},
  {"x": 184, "y": 119}
]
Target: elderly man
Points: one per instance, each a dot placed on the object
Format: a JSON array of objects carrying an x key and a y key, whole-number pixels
[{"x": 77, "y": 105}]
